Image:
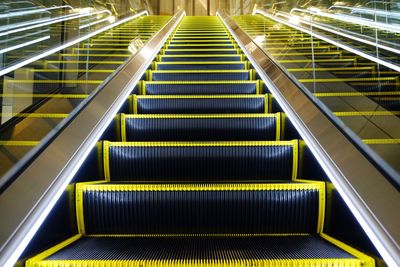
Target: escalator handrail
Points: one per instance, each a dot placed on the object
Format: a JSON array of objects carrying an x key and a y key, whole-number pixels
[
  {"x": 366, "y": 190},
  {"x": 27, "y": 201}
]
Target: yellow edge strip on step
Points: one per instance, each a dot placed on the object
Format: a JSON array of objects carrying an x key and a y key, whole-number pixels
[
  {"x": 201, "y": 262},
  {"x": 330, "y": 69},
  {"x": 333, "y": 80},
  {"x": 389, "y": 93},
  {"x": 201, "y": 62},
  {"x": 108, "y": 144},
  {"x": 55, "y": 81},
  {"x": 367, "y": 260},
  {"x": 19, "y": 143},
  {"x": 385, "y": 141},
  {"x": 80, "y": 220},
  {"x": 196, "y": 96},
  {"x": 206, "y": 49},
  {"x": 366, "y": 113},
  {"x": 41, "y": 256},
  {"x": 202, "y": 82},
  {"x": 199, "y": 71},
  {"x": 96, "y": 55},
  {"x": 321, "y": 202},
  {"x": 45, "y": 95},
  {"x": 199, "y": 235},
  {"x": 278, "y": 122},
  {"x": 199, "y": 187},
  {"x": 36, "y": 115},
  {"x": 200, "y": 56},
  {"x": 197, "y": 116},
  {"x": 293, "y": 143},
  {"x": 71, "y": 70},
  {"x": 123, "y": 126},
  {"x": 84, "y": 62}
]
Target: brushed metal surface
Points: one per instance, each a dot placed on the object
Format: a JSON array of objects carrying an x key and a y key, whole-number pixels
[
  {"x": 374, "y": 201},
  {"x": 27, "y": 201}
]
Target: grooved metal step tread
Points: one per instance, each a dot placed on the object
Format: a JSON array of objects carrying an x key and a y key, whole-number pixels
[
  {"x": 196, "y": 127},
  {"x": 200, "y": 161},
  {"x": 274, "y": 251}
]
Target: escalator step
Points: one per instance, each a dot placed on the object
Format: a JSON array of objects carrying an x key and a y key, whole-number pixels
[
  {"x": 221, "y": 65},
  {"x": 200, "y": 161},
  {"x": 188, "y": 41},
  {"x": 199, "y": 75},
  {"x": 202, "y": 104},
  {"x": 200, "y": 88},
  {"x": 200, "y": 46},
  {"x": 199, "y": 51},
  {"x": 257, "y": 251},
  {"x": 273, "y": 208},
  {"x": 207, "y": 58},
  {"x": 200, "y": 127}
]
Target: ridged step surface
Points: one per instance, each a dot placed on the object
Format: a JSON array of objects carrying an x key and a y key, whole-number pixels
[
  {"x": 228, "y": 127},
  {"x": 200, "y": 104},
  {"x": 274, "y": 208},
  {"x": 203, "y": 251},
  {"x": 200, "y": 87},
  {"x": 200, "y": 161}
]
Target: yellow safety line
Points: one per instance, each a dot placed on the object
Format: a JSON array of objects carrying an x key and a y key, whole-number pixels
[
  {"x": 335, "y": 94},
  {"x": 43, "y": 255},
  {"x": 334, "y": 80},
  {"x": 366, "y": 113},
  {"x": 199, "y": 71},
  {"x": 84, "y": 62},
  {"x": 200, "y": 82},
  {"x": 55, "y": 81},
  {"x": 197, "y": 116},
  {"x": 367, "y": 261},
  {"x": 316, "y": 262},
  {"x": 19, "y": 143},
  {"x": 330, "y": 69},
  {"x": 72, "y": 96},
  {"x": 197, "y": 235},
  {"x": 196, "y": 96},
  {"x": 385, "y": 141},
  {"x": 198, "y": 187},
  {"x": 73, "y": 70},
  {"x": 36, "y": 115},
  {"x": 321, "y": 202},
  {"x": 292, "y": 143}
]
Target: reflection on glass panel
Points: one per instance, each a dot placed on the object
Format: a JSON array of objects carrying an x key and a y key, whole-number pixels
[
  {"x": 358, "y": 82},
  {"x": 44, "y": 80}
]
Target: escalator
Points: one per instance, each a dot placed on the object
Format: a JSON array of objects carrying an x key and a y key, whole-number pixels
[
  {"x": 363, "y": 94},
  {"x": 200, "y": 172},
  {"x": 39, "y": 97}
]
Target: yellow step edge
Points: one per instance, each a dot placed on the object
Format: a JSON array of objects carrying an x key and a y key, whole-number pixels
[
  {"x": 293, "y": 143},
  {"x": 345, "y": 94},
  {"x": 66, "y": 96},
  {"x": 395, "y": 141},
  {"x": 333, "y": 80},
  {"x": 54, "y": 81},
  {"x": 366, "y": 113},
  {"x": 18, "y": 143}
]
